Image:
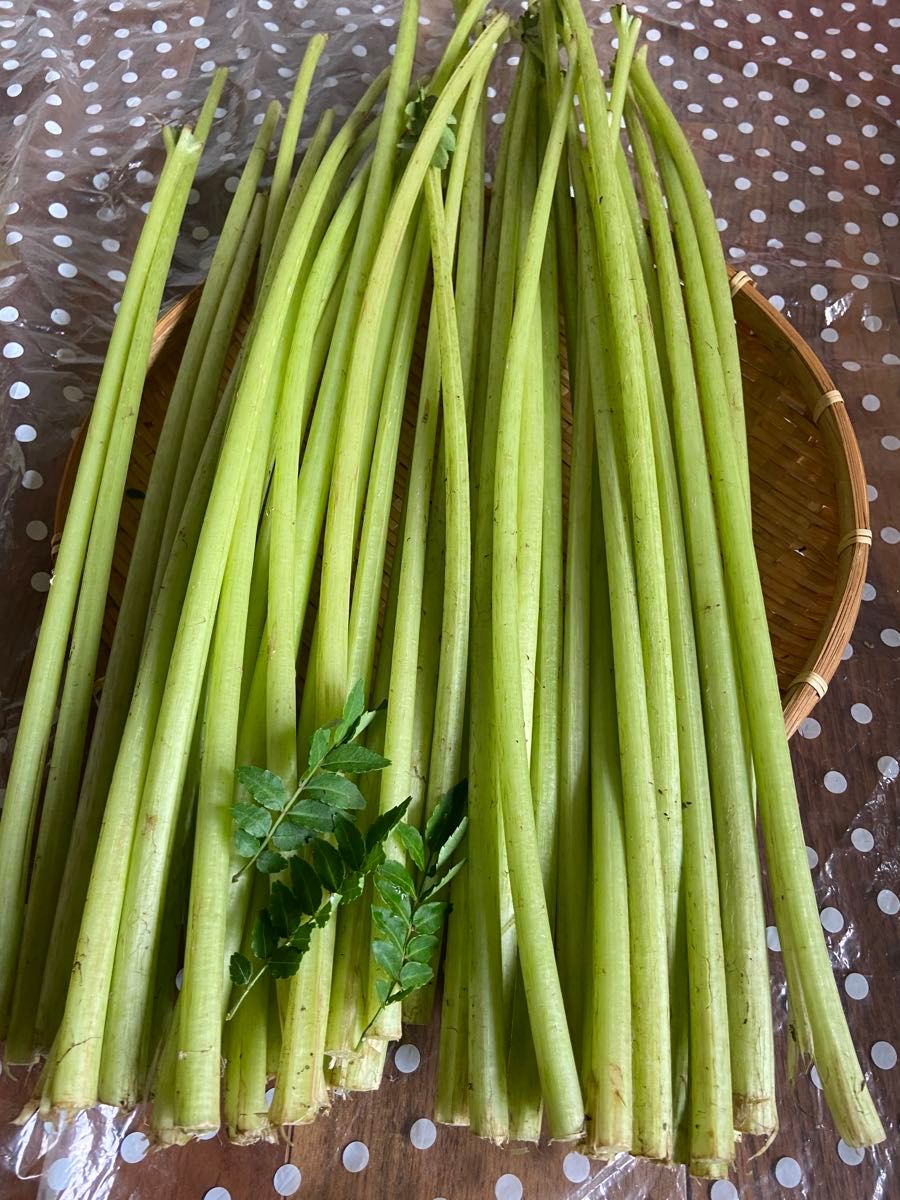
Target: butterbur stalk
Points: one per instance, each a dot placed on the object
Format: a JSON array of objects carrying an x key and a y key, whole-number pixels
[
  {"x": 347, "y": 1015},
  {"x": 437, "y": 375},
  {"x": 292, "y": 418},
  {"x": 693, "y": 779},
  {"x": 254, "y": 404},
  {"x": 332, "y": 656},
  {"x": 489, "y": 1109},
  {"x": 287, "y": 147},
  {"x": 529, "y": 521},
  {"x": 796, "y": 911},
  {"x": 245, "y": 1043},
  {"x": 751, "y": 1045},
  {"x": 77, "y": 693},
  {"x": 709, "y": 247},
  {"x": 412, "y": 266},
  {"x": 23, "y": 788},
  {"x": 457, "y": 573},
  {"x": 179, "y": 708},
  {"x": 200, "y": 1020},
  {"x": 645, "y": 689},
  {"x": 704, "y": 1125},
  {"x": 362, "y": 1070},
  {"x": 199, "y": 416},
  {"x": 574, "y": 788},
  {"x": 335, "y": 597},
  {"x": 417, "y": 1008},
  {"x": 118, "y": 812},
  {"x": 311, "y": 986},
  {"x": 132, "y": 620},
  {"x": 553, "y": 1047},
  {"x": 608, "y": 1067},
  {"x": 525, "y": 1091}
]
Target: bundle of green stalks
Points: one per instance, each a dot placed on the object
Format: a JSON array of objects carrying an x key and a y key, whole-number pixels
[{"x": 370, "y": 705}]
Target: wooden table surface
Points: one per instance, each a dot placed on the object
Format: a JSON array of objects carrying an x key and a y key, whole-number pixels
[{"x": 793, "y": 111}]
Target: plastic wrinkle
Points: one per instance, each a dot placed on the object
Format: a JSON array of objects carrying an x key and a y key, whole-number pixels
[{"x": 84, "y": 91}]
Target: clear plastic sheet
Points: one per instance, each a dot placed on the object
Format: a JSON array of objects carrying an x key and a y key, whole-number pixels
[{"x": 793, "y": 113}]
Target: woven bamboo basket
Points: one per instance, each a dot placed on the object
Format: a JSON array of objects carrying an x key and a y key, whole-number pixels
[{"x": 808, "y": 491}]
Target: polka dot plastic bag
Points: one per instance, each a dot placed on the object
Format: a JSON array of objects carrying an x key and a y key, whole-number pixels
[{"x": 792, "y": 112}]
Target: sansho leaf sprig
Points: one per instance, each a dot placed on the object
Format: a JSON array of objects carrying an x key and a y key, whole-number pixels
[
  {"x": 417, "y": 113},
  {"x": 272, "y": 824},
  {"x": 333, "y": 873},
  {"x": 408, "y": 918}
]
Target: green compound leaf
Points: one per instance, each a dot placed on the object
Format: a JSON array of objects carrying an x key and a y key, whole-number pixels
[
  {"x": 263, "y": 939},
  {"x": 328, "y": 864},
  {"x": 428, "y": 918},
  {"x": 388, "y": 957},
  {"x": 245, "y": 843},
  {"x": 240, "y": 970},
  {"x": 284, "y": 961},
  {"x": 415, "y": 975},
  {"x": 335, "y": 790},
  {"x": 354, "y": 759},
  {"x": 265, "y": 787},
  {"x": 270, "y": 863},
  {"x": 251, "y": 818},
  {"x": 306, "y": 885},
  {"x": 412, "y": 843}
]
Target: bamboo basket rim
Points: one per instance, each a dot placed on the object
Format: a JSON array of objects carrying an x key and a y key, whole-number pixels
[{"x": 828, "y": 413}]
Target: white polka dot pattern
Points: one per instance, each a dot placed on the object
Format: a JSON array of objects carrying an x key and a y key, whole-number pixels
[{"x": 793, "y": 116}]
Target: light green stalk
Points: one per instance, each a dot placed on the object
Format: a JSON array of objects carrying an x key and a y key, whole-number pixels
[
  {"x": 199, "y": 416},
  {"x": 564, "y": 215},
  {"x": 610, "y": 1088},
  {"x": 418, "y": 1007},
  {"x": 176, "y": 911},
  {"x": 78, "y": 687},
  {"x": 531, "y": 469},
  {"x": 525, "y": 1092},
  {"x": 287, "y": 146},
  {"x": 190, "y": 652},
  {"x": 82, "y": 838},
  {"x": 121, "y": 804},
  {"x": 137, "y": 932},
  {"x": 574, "y": 812},
  {"x": 197, "y": 378},
  {"x": 740, "y": 889},
  {"x": 647, "y": 690},
  {"x": 458, "y": 547},
  {"x": 379, "y": 496},
  {"x": 310, "y": 988},
  {"x": 293, "y": 414},
  {"x": 489, "y": 1111},
  {"x": 667, "y": 129},
  {"x": 628, "y": 29},
  {"x": 246, "y": 1044},
  {"x": 200, "y": 1023},
  {"x": 346, "y": 1016},
  {"x": 796, "y": 911},
  {"x": 139, "y": 305},
  {"x": 446, "y": 750},
  {"x": 629, "y": 320},
  {"x": 693, "y": 777},
  {"x": 397, "y": 777},
  {"x": 553, "y": 1047},
  {"x": 704, "y": 1127},
  {"x": 451, "y": 1098},
  {"x": 337, "y": 560},
  {"x": 363, "y": 1071},
  {"x": 79, "y": 682}
]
